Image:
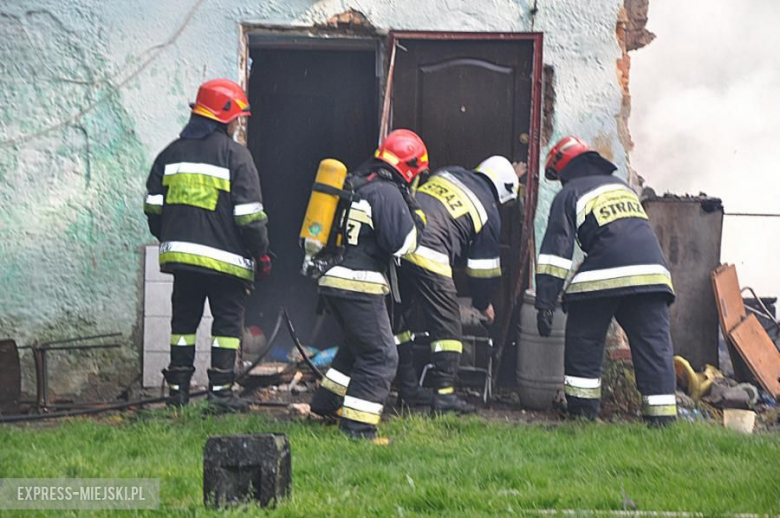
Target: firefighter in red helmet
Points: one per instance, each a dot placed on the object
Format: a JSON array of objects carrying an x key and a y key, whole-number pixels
[
  {"x": 624, "y": 275},
  {"x": 204, "y": 205},
  {"x": 384, "y": 223}
]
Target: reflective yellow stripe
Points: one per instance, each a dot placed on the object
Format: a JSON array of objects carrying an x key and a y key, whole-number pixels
[
  {"x": 350, "y": 285},
  {"x": 456, "y": 198},
  {"x": 484, "y": 273},
  {"x": 361, "y": 410},
  {"x": 404, "y": 337},
  {"x": 225, "y": 342},
  {"x": 329, "y": 384},
  {"x": 584, "y": 393},
  {"x": 360, "y": 416},
  {"x": 446, "y": 390},
  {"x": 428, "y": 264},
  {"x": 183, "y": 340},
  {"x": 454, "y": 346},
  {"x": 555, "y": 271},
  {"x": 387, "y": 156},
  {"x": 246, "y": 219},
  {"x": 206, "y": 262},
  {"x": 622, "y": 282},
  {"x": 659, "y": 410}
]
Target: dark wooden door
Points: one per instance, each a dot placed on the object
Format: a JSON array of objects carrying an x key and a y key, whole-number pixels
[
  {"x": 468, "y": 100},
  {"x": 307, "y": 104}
]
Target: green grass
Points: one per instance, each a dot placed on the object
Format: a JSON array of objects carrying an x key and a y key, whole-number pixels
[{"x": 450, "y": 466}]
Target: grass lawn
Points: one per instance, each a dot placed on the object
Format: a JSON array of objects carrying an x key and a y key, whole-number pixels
[{"x": 445, "y": 467}]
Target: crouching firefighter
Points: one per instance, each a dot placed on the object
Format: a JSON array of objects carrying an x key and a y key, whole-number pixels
[
  {"x": 379, "y": 222},
  {"x": 461, "y": 208},
  {"x": 624, "y": 274},
  {"x": 204, "y": 206}
]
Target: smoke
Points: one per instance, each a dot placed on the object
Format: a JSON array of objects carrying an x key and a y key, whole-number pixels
[{"x": 706, "y": 118}]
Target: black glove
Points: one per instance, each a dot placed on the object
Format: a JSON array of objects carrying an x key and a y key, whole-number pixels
[{"x": 544, "y": 322}]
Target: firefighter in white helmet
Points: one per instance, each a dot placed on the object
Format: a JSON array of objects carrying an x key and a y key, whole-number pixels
[{"x": 463, "y": 221}]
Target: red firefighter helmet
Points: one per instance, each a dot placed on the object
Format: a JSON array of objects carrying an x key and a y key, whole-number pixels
[
  {"x": 562, "y": 153},
  {"x": 221, "y": 100},
  {"x": 405, "y": 151}
]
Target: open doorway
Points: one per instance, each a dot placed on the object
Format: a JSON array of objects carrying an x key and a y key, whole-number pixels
[{"x": 311, "y": 98}]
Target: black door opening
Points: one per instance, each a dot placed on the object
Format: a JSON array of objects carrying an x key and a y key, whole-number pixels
[{"x": 308, "y": 103}]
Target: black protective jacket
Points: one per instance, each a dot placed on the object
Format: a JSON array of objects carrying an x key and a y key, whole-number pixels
[
  {"x": 603, "y": 214},
  {"x": 381, "y": 225},
  {"x": 204, "y": 203},
  {"x": 462, "y": 222}
]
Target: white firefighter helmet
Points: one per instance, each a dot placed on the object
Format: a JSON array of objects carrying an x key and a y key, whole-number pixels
[{"x": 502, "y": 175}]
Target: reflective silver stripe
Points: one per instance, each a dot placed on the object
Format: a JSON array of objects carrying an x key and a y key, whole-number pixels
[
  {"x": 659, "y": 400},
  {"x": 477, "y": 204},
  {"x": 584, "y": 388},
  {"x": 587, "y": 383},
  {"x": 433, "y": 255},
  {"x": 410, "y": 243},
  {"x": 619, "y": 272},
  {"x": 246, "y": 209},
  {"x": 155, "y": 199},
  {"x": 207, "y": 251},
  {"x": 590, "y": 196},
  {"x": 195, "y": 168},
  {"x": 217, "y": 388},
  {"x": 484, "y": 264},
  {"x": 339, "y": 377},
  {"x": 343, "y": 272},
  {"x": 363, "y": 405},
  {"x": 554, "y": 260}
]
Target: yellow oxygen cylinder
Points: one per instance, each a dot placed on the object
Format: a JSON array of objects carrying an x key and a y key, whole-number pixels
[{"x": 321, "y": 212}]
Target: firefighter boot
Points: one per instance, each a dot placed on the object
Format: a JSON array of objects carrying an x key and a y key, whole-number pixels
[
  {"x": 178, "y": 379},
  {"x": 444, "y": 399},
  {"x": 410, "y": 393},
  {"x": 220, "y": 396},
  {"x": 444, "y": 403}
]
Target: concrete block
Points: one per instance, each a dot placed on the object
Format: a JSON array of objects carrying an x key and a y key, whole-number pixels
[
  {"x": 157, "y": 299},
  {"x": 244, "y": 468},
  {"x": 157, "y": 333},
  {"x": 152, "y": 266},
  {"x": 153, "y": 364}
]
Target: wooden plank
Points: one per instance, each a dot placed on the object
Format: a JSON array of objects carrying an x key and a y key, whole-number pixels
[
  {"x": 759, "y": 352},
  {"x": 728, "y": 297}
]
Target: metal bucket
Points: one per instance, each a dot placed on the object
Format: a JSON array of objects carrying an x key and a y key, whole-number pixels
[{"x": 539, "y": 359}]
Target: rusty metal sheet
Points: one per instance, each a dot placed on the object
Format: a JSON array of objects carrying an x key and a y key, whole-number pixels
[
  {"x": 10, "y": 378},
  {"x": 728, "y": 297},
  {"x": 759, "y": 352}
]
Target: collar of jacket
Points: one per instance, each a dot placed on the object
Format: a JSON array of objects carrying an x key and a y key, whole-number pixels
[
  {"x": 200, "y": 127},
  {"x": 588, "y": 164}
]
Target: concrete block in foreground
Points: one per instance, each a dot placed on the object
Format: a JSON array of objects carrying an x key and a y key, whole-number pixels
[{"x": 239, "y": 469}]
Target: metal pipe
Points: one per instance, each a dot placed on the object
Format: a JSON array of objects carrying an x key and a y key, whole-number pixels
[{"x": 81, "y": 338}]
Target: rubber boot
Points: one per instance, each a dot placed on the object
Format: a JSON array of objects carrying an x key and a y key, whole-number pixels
[
  {"x": 362, "y": 432},
  {"x": 582, "y": 408},
  {"x": 410, "y": 393},
  {"x": 178, "y": 380},
  {"x": 221, "y": 399},
  {"x": 450, "y": 403},
  {"x": 660, "y": 421}
]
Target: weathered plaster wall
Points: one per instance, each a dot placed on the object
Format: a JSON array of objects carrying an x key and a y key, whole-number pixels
[{"x": 71, "y": 185}]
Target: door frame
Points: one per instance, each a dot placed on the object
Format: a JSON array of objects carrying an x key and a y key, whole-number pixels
[{"x": 263, "y": 35}]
